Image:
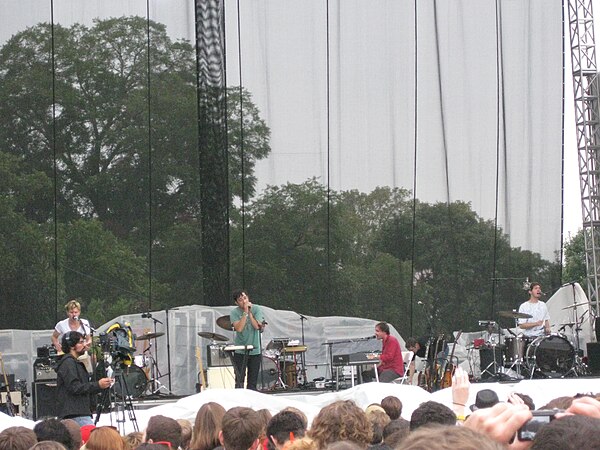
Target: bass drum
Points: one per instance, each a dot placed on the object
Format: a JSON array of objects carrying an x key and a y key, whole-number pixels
[
  {"x": 552, "y": 355},
  {"x": 268, "y": 375},
  {"x": 130, "y": 381}
]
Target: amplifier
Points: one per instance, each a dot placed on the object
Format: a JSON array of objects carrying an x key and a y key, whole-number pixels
[
  {"x": 43, "y": 372},
  {"x": 340, "y": 360},
  {"x": 216, "y": 356},
  {"x": 44, "y": 400}
]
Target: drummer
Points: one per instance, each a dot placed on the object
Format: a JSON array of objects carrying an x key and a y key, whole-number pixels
[{"x": 538, "y": 323}]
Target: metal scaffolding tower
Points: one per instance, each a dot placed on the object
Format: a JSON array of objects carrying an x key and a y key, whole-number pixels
[{"x": 587, "y": 119}]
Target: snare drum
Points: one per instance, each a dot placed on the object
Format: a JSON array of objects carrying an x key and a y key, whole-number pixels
[{"x": 551, "y": 355}]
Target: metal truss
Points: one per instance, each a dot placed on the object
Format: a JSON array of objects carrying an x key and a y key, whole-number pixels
[{"x": 587, "y": 119}]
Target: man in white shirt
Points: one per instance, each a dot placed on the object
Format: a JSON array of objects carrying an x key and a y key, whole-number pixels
[{"x": 539, "y": 322}]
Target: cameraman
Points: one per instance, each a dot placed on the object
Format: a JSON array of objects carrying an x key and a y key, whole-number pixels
[{"x": 73, "y": 384}]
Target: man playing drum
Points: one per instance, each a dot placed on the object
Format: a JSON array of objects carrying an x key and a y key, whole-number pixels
[{"x": 539, "y": 322}]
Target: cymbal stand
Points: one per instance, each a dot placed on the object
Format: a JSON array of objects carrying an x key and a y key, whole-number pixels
[
  {"x": 154, "y": 385},
  {"x": 302, "y": 357}
]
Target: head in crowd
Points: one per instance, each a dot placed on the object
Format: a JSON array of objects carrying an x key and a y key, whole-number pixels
[
  {"x": 207, "y": 426},
  {"x": 430, "y": 413},
  {"x": 150, "y": 446},
  {"x": 300, "y": 414},
  {"x": 71, "y": 305},
  {"x": 568, "y": 433},
  {"x": 343, "y": 445},
  {"x": 240, "y": 429},
  {"x": 392, "y": 406},
  {"x": 283, "y": 427},
  {"x": 48, "y": 445},
  {"x": 17, "y": 438},
  {"x": 305, "y": 443},
  {"x": 70, "y": 340},
  {"x": 383, "y": 326},
  {"x": 485, "y": 398},
  {"x": 75, "y": 432},
  {"x": 186, "y": 433},
  {"x": 448, "y": 437},
  {"x": 395, "y": 432},
  {"x": 265, "y": 415},
  {"x": 133, "y": 440},
  {"x": 53, "y": 430},
  {"x": 105, "y": 438},
  {"x": 378, "y": 421},
  {"x": 527, "y": 400},
  {"x": 163, "y": 429},
  {"x": 341, "y": 421},
  {"x": 559, "y": 403}
]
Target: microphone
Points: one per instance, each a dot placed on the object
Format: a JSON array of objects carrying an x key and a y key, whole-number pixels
[
  {"x": 146, "y": 315},
  {"x": 264, "y": 322},
  {"x": 76, "y": 318}
]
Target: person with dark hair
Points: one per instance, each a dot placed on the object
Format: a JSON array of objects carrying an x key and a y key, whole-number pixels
[
  {"x": 430, "y": 413},
  {"x": 162, "y": 429},
  {"x": 241, "y": 428},
  {"x": 53, "y": 430},
  {"x": 285, "y": 426},
  {"x": 391, "y": 365},
  {"x": 392, "y": 406},
  {"x": 248, "y": 322},
  {"x": 73, "y": 383},
  {"x": 568, "y": 433},
  {"x": 539, "y": 322},
  {"x": 395, "y": 432},
  {"x": 17, "y": 438},
  {"x": 75, "y": 431}
]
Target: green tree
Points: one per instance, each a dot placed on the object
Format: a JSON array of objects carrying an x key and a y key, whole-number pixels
[{"x": 575, "y": 269}]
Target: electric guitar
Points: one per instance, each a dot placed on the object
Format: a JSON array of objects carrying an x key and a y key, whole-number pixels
[{"x": 10, "y": 407}]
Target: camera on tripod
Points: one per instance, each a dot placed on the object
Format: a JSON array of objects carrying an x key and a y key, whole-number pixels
[{"x": 118, "y": 343}]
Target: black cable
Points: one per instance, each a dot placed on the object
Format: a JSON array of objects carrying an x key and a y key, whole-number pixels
[
  {"x": 55, "y": 168},
  {"x": 414, "y": 205},
  {"x": 242, "y": 161},
  {"x": 150, "y": 199}
]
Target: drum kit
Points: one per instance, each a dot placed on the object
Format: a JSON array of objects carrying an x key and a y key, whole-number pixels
[{"x": 519, "y": 356}]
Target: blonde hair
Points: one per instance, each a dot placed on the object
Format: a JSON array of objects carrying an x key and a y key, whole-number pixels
[{"x": 71, "y": 304}]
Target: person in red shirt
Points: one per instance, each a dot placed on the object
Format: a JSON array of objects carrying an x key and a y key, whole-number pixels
[{"x": 391, "y": 365}]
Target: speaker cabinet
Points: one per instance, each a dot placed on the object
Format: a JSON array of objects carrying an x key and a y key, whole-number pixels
[
  {"x": 44, "y": 400},
  {"x": 220, "y": 378},
  {"x": 487, "y": 357},
  {"x": 593, "y": 353}
]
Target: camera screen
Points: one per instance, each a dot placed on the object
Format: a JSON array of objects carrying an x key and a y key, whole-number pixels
[{"x": 529, "y": 430}]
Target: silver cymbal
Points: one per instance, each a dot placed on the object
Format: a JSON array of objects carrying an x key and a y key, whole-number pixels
[{"x": 575, "y": 305}]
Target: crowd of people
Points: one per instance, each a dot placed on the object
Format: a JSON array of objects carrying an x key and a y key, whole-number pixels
[{"x": 491, "y": 422}]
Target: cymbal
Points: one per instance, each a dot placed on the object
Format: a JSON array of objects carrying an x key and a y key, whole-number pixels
[
  {"x": 514, "y": 315},
  {"x": 225, "y": 323},
  {"x": 148, "y": 336},
  {"x": 575, "y": 305},
  {"x": 212, "y": 336}
]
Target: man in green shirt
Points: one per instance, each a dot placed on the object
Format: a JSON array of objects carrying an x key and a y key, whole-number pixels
[{"x": 248, "y": 322}]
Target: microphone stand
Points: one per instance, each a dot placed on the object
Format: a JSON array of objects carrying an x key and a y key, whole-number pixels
[{"x": 302, "y": 355}]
